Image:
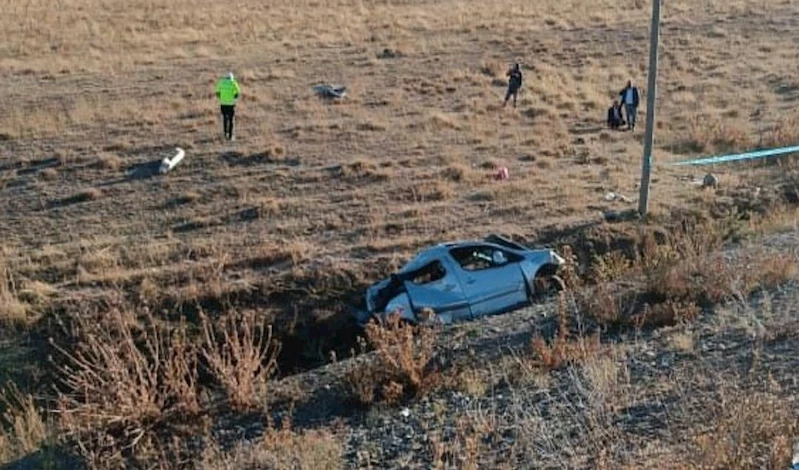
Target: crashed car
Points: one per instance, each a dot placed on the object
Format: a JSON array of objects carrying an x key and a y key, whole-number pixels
[{"x": 462, "y": 281}]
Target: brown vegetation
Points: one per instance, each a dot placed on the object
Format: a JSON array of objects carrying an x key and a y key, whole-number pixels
[
  {"x": 404, "y": 365},
  {"x": 186, "y": 296},
  {"x": 668, "y": 283}
]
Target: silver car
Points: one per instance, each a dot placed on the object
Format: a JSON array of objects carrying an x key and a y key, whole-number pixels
[{"x": 464, "y": 280}]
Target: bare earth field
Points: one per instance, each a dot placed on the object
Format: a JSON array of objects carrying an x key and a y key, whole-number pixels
[{"x": 316, "y": 199}]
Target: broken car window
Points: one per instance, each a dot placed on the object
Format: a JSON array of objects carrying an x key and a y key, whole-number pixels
[
  {"x": 430, "y": 272},
  {"x": 475, "y": 258}
]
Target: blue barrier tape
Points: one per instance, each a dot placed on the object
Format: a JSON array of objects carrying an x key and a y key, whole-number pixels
[{"x": 737, "y": 156}]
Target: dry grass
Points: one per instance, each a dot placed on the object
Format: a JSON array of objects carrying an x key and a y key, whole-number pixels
[
  {"x": 12, "y": 310},
  {"x": 279, "y": 448},
  {"x": 404, "y": 363},
  {"x": 314, "y": 200},
  {"x": 669, "y": 283},
  {"x": 23, "y": 428},
  {"x": 749, "y": 431},
  {"x": 242, "y": 358},
  {"x": 564, "y": 349},
  {"x": 127, "y": 382},
  {"x": 122, "y": 381}
]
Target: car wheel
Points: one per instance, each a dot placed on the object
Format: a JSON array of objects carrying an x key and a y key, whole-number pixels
[{"x": 547, "y": 287}]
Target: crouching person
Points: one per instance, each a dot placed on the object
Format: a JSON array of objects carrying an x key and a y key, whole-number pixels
[{"x": 615, "y": 119}]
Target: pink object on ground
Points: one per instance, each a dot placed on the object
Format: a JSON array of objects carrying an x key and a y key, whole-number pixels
[{"x": 502, "y": 173}]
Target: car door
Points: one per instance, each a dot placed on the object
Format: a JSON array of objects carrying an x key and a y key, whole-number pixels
[
  {"x": 436, "y": 287},
  {"x": 492, "y": 279}
]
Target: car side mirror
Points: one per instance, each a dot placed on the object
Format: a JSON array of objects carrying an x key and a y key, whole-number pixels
[{"x": 498, "y": 258}]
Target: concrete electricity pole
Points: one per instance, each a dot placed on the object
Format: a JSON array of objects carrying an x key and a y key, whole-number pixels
[{"x": 651, "y": 93}]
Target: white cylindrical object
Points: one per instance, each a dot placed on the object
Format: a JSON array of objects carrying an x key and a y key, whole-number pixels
[{"x": 168, "y": 164}]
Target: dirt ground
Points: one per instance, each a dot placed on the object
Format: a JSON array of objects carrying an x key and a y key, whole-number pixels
[{"x": 314, "y": 200}]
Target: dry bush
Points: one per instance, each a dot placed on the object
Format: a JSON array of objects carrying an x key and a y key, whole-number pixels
[
  {"x": 108, "y": 161},
  {"x": 23, "y": 429},
  {"x": 750, "y": 430},
  {"x": 86, "y": 195},
  {"x": 715, "y": 136},
  {"x": 243, "y": 359},
  {"x": 457, "y": 173},
  {"x": 569, "y": 271},
  {"x": 667, "y": 313},
  {"x": 362, "y": 170},
  {"x": 785, "y": 132},
  {"x": 48, "y": 174},
  {"x": 12, "y": 310},
  {"x": 462, "y": 450},
  {"x": 122, "y": 382},
  {"x": 691, "y": 268},
  {"x": 186, "y": 198},
  {"x": 668, "y": 283},
  {"x": 563, "y": 349},
  {"x": 403, "y": 366},
  {"x": 279, "y": 448}
]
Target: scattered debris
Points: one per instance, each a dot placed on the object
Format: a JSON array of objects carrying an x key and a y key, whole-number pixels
[
  {"x": 464, "y": 280},
  {"x": 502, "y": 173},
  {"x": 710, "y": 181},
  {"x": 330, "y": 91},
  {"x": 617, "y": 197},
  {"x": 620, "y": 216},
  {"x": 168, "y": 164},
  {"x": 389, "y": 54}
]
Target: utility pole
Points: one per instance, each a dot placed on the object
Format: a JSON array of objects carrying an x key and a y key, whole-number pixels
[{"x": 651, "y": 93}]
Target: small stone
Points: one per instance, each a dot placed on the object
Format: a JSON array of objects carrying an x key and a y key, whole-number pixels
[{"x": 710, "y": 181}]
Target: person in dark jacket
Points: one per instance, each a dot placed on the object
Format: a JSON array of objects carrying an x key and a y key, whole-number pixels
[
  {"x": 514, "y": 83},
  {"x": 615, "y": 118},
  {"x": 630, "y": 99}
]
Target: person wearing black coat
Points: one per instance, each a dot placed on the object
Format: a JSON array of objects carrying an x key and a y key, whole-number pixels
[
  {"x": 615, "y": 117},
  {"x": 514, "y": 83}
]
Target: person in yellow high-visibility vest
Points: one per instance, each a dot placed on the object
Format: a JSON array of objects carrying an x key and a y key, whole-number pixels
[{"x": 227, "y": 91}]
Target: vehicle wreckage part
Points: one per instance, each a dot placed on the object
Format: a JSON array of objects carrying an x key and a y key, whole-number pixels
[
  {"x": 168, "y": 164},
  {"x": 465, "y": 280}
]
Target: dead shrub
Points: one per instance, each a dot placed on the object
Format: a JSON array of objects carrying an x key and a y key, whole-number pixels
[
  {"x": 362, "y": 170},
  {"x": 12, "y": 310},
  {"x": 108, "y": 161},
  {"x": 403, "y": 365},
  {"x": 283, "y": 447},
  {"x": 783, "y": 133},
  {"x": 769, "y": 271},
  {"x": 431, "y": 191},
  {"x": 23, "y": 430},
  {"x": 457, "y": 173},
  {"x": 714, "y": 135},
  {"x": 48, "y": 174},
  {"x": 669, "y": 283},
  {"x": 563, "y": 349},
  {"x": 244, "y": 359},
  {"x": 86, "y": 195},
  {"x": 607, "y": 303},
  {"x": 749, "y": 431},
  {"x": 122, "y": 382},
  {"x": 665, "y": 314},
  {"x": 462, "y": 450}
]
